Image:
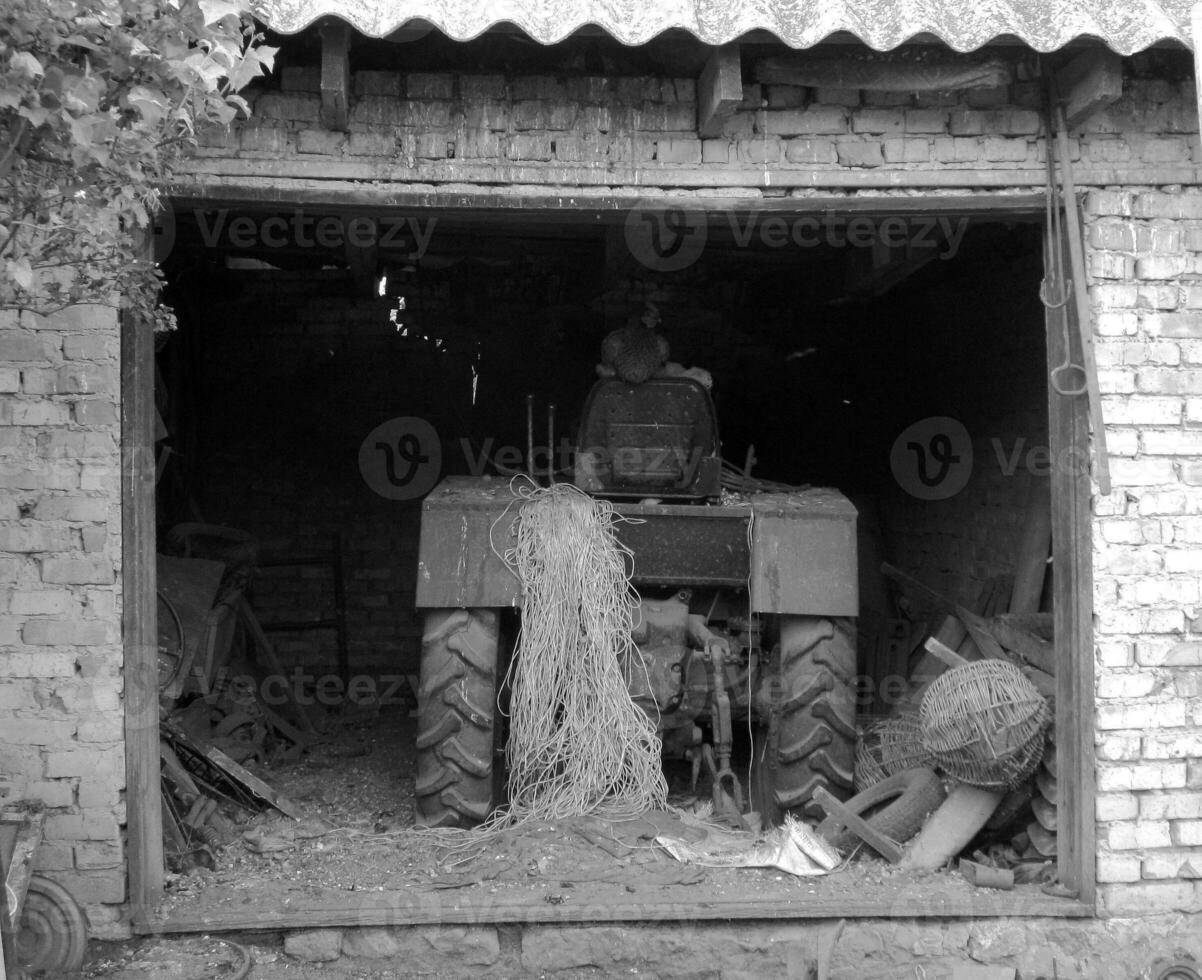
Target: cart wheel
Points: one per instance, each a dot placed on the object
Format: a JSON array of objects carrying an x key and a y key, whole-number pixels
[{"x": 53, "y": 935}]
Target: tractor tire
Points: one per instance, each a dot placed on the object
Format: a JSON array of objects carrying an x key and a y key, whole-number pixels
[
  {"x": 52, "y": 936},
  {"x": 815, "y": 738},
  {"x": 896, "y": 807},
  {"x": 456, "y": 705}
]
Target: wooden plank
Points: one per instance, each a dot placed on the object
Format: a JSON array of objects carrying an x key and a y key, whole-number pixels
[
  {"x": 1033, "y": 649},
  {"x": 885, "y": 846},
  {"x": 569, "y": 179},
  {"x": 1196, "y": 34},
  {"x": 335, "y": 74},
  {"x": 975, "y": 625},
  {"x": 20, "y": 862},
  {"x": 568, "y": 205},
  {"x": 1034, "y": 544},
  {"x": 330, "y": 908},
  {"x": 719, "y": 89},
  {"x": 1091, "y": 81},
  {"x": 252, "y": 782},
  {"x": 1084, "y": 323},
  {"x": 945, "y": 653},
  {"x": 251, "y": 621},
  {"x": 144, "y": 849},
  {"x": 1072, "y": 614}
]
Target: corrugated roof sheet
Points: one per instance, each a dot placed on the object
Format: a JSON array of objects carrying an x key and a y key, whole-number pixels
[{"x": 1125, "y": 26}]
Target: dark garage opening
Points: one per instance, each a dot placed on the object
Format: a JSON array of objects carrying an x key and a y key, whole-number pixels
[{"x": 289, "y": 358}]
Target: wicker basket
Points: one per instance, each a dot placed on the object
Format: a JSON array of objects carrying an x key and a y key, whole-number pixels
[
  {"x": 983, "y": 723},
  {"x": 887, "y": 747}
]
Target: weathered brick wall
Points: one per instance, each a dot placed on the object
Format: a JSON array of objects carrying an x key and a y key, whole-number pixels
[
  {"x": 61, "y": 725},
  {"x": 1146, "y": 274},
  {"x": 428, "y": 124}
]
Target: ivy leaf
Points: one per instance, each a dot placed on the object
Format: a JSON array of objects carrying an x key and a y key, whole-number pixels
[
  {"x": 215, "y": 11},
  {"x": 21, "y": 273},
  {"x": 148, "y": 102},
  {"x": 26, "y": 65}
]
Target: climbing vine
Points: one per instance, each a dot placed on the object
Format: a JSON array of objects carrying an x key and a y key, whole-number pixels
[{"x": 98, "y": 100}]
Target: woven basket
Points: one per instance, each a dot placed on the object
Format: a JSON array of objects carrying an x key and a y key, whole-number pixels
[
  {"x": 983, "y": 723},
  {"x": 887, "y": 747}
]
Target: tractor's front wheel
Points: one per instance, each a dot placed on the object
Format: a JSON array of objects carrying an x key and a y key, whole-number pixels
[
  {"x": 811, "y": 691},
  {"x": 456, "y": 708}
]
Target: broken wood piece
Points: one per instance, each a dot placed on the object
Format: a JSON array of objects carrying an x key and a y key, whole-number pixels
[
  {"x": 975, "y": 624},
  {"x": 828, "y": 952},
  {"x": 984, "y": 876},
  {"x": 611, "y": 847},
  {"x": 887, "y": 847},
  {"x": 27, "y": 835},
  {"x": 1034, "y": 546},
  {"x": 1090, "y": 82},
  {"x": 1032, "y": 648},
  {"x": 251, "y": 782},
  {"x": 273, "y": 661},
  {"x": 945, "y": 653}
]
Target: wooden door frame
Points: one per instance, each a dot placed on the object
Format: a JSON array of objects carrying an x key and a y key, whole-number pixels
[{"x": 1068, "y": 432}]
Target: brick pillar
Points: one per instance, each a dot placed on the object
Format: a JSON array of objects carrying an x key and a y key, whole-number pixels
[{"x": 61, "y": 723}]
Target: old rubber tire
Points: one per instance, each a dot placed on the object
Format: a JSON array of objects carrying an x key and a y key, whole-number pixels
[
  {"x": 456, "y": 704},
  {"x": 53, "y": 935},
  {"x": 902, "y": 803},
  {"x": 816, "y": 726}
]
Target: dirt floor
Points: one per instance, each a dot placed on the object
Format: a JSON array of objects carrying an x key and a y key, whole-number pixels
[{"x": 356, "y": 847}]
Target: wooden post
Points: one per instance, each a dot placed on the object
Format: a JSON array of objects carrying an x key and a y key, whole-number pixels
[
  {"x": 144, "y": 845},
  {"x": 1195, "y": 21},
  {"x": 1072, "y": 614},
  {"x": 335, "y": 74},
  {"x": 719, "y": 89}
]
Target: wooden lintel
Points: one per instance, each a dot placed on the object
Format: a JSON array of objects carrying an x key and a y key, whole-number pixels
[
  {"x": 719, "y": 89},
  {"x": 1091, "y": 81},
  {"x": 335, "y": 74}
]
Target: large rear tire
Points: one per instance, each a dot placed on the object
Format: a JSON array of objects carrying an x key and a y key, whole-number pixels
[
  {"x": 456, "y": 709},
  {"x": 815, "y": 733}
]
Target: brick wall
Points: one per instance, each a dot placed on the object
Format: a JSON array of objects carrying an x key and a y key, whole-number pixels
[
  {"x": 427, "y": 126},
  {"x": 1146, "y": 286},
  {"x": 61, "y": 726}
]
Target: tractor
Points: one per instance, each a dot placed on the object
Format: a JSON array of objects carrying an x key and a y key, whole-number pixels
[{"x": 745, "y": 619}]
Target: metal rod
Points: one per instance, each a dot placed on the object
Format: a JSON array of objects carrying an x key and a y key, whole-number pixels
[
  {"x": 1081, "y": 294},
  {"x": 530, "y": 435},
  {"x": 551, "y": 444}
]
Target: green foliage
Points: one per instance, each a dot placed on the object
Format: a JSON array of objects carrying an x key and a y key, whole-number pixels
[{"x": 98, "y": 99}]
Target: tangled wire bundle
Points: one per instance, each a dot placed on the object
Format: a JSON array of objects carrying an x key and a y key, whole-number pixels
[{"x": 577, "y": 744}]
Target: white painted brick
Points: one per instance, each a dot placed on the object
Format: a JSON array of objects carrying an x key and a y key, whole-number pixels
[
  {"x": 1118, "y": 748},
  {"x": 1142, "y": 472},
  {"x": 1164, "y": 503},
  {"x": 1118, "y": 867},
  {"x": 1170, "y": 806},
  {"x": 1114, "y": 686},
  {"x": 1114, "y": 653},
  {"x": 1164, "y": 714},
  {"x": 1188, "y": 833},
  {"x": 1111, "y": 504},
  {"x": 1147, "y": 898},
  {"x": 1177, "y": 746},
  {"x": 1123, "y": 532},
  {"x": 1142, "y": 410},
  {"x": 1116, "y": 324},
  {"x": 1122, "y": 442},
  {"x": 1140, "y": 775},
  {"x": 1164, "y": 621},
  {"x": 1131, "y": 835},
  {"x": 1153, "y": 592},
  {"x": 1120, "y": 561},
  {"x": 1109, "y": 807},
  {"x": 1178, "y": 864},
  {"x": 1158, "y": 653},
  {"x": 1176, "y": 442},
  {"x": 1183, "y": 561}
]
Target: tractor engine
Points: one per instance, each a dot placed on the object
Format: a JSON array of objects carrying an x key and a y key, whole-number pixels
[{"x": 684, "y": 670}]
